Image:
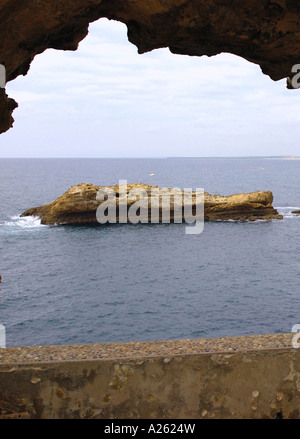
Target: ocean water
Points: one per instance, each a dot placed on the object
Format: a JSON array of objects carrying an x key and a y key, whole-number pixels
[{"x": 69, "y": 285}]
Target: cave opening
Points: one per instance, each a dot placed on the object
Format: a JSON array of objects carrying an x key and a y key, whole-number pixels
[{"x": 105, "y": 100}]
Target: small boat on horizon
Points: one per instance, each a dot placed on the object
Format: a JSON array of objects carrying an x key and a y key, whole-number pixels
[{"x": 151, "y": 174}]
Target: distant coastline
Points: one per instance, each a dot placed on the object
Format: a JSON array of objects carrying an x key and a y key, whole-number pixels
[{"x": 284, "y": 158}]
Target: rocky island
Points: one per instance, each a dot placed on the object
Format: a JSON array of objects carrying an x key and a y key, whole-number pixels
[{"x": 80, "y": 203}]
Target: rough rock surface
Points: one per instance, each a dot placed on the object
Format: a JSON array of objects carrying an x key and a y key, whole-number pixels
[
  {"x": 7, "y": 107},
  {"x": 79, "y": 204},
  {"x": 265, "y": 32}
]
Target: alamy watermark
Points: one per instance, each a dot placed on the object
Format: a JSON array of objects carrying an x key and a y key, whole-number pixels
[
  {"x": 293, "y": 82},
  {"x": 2, "y": 76},
  {"x": 2, "y": 336},
  {"x": 296, "y": 337},
  {"x": 133, "y": 204}
]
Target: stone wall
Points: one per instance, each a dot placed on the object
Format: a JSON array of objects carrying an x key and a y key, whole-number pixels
[{"x": 235, "y": 377}]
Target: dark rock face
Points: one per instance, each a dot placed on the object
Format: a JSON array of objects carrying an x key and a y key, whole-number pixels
[
  {"x": 79, "y": 205},
  {"x": 265, "y": 32},
  {"x": 7, "y": 107}
]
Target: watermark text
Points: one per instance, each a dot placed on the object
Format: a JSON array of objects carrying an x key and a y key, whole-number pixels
[
  {"x": 151, "y": 205},
  {"x": 2, "y": 76},
  {"x": 2, "y": 336}
]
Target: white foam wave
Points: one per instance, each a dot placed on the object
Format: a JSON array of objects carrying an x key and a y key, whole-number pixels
[
  {"x": 28, "y": 222},
  {"x": 241, "y": 221},
  {"x": 286, "y": 212}
]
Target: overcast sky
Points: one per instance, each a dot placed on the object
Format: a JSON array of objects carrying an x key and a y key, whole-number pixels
[{"x": 105, "y": 100}]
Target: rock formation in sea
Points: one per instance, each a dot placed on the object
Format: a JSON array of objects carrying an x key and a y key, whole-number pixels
[
  {"x": 80, "y": 203},
  {"x": 264, "y": 32}
]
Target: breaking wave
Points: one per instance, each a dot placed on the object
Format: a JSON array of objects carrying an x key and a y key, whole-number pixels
[
  {"x": 286, "y": 212},
  {"x": 29, "y": 222}
]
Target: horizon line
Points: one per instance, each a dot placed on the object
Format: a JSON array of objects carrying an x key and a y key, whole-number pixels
[{"x": 149, "y": 158}]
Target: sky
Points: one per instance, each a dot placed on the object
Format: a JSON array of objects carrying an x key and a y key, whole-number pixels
[{"x": 105, "y": 100}]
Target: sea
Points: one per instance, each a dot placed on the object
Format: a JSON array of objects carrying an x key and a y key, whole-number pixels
[{"x": 121, "y": 283}]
